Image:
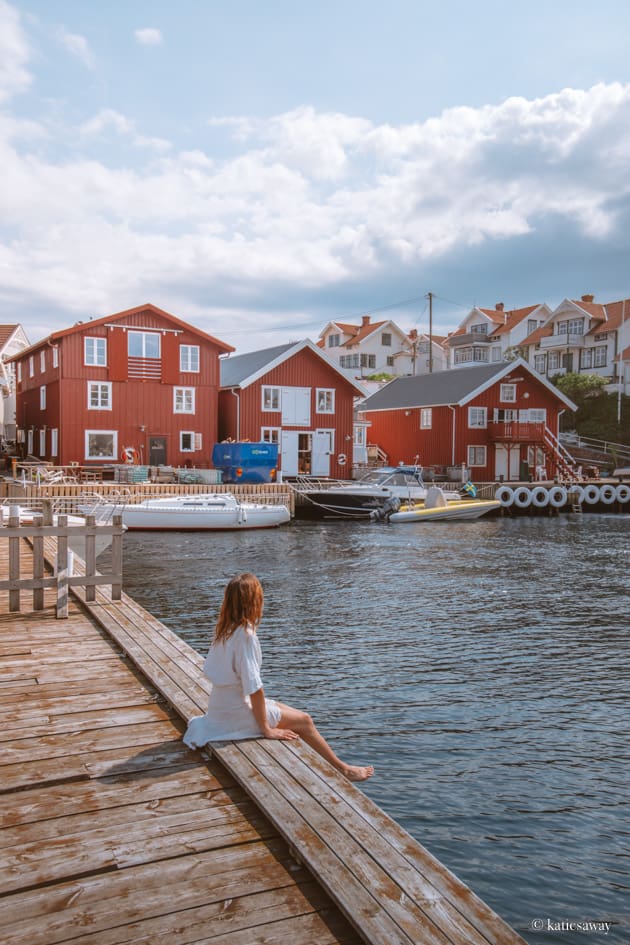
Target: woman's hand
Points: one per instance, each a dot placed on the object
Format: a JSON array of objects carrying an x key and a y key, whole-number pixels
[{"x": 285, "y": 734}]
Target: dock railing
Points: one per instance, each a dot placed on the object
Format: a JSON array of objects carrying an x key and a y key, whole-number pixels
[{"x": 35, "y": 532}]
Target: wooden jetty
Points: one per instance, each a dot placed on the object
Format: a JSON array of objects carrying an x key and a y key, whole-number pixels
[{"x": 114, "y": 832}]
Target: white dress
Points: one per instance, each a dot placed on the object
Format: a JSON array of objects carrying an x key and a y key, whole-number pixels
[{"x": 233, "y": 668}]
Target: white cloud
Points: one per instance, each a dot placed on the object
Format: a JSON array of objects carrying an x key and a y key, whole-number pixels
[
  {"x": 14, "y": 54},
  {"x": 310, "y": 200},
  {"x": 149, "y": 36},
  {"x": 78, "y": 46},
  {"x": 108, "y": 119}
]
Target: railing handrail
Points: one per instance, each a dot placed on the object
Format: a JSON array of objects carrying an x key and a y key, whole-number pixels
[{"x": 603, "y": 446}]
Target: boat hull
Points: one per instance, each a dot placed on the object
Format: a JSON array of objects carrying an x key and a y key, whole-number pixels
[
  {"x": 456, "y": 512},
  {"x": 332, "y": 504}
]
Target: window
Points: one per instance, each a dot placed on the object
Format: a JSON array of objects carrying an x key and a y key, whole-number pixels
[
  {"x": 496, "y": 353},
  {"x": 599, "y": 359},
  {"x": 481, "y": 329},
  {"x": 189, "y": 442},
  {"x": 101, "y": 444},
  {"x": 189, "y": 358},
  {"x": 270, "y": 435},
  {"x": 532, "y": 325},
  {"x": 480, "y": 354},
  {"x": 540, "y": 363},
  {"x": 508, "y": 393},
  {"x": 368, "y": 360},
  {"x": 54, "y": 442},
  {"x": 349, "y": 360},
  {"x": 42, "y": 397},
  {"x": 586, "y": 358},
  {"x": 504, "y": 415},
  {"x": 183, "y": 400},
  {"x": 29, "y": 442},
  {"x": 19, "y": 372},
  {"x": 537, "y": 415},
  {"x": 477, "y": 417},
  {"x": 42, "y": 442},
  {"x": 95, "y": 352},
  {"x": 386, "y": 339},
  {"x": 476, "y": 456},
  {"x": 31, "y": 366},
  {"x": 390, "y": 360},
  {"x": 325, "y": 400},
  {"x": 271, "y": 398},
  {"x": 143, "y": 344},
  {"x": 42, "y": 361},
  {"x": 55, "y": 357},
  {"x": 426, "y": 418},
  {"x": 553, "y": 362},
  {"x": 360, "y": 437},
  {"x": 333, "y": 341},
  {"x": 574, "y": 326},
  {"x": 99, "y": 395}
]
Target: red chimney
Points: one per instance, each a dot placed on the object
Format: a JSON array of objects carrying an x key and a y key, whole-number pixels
[
  {"x": 588, "y": 298},
  {"x": 365, "y": 320},
  {"x": 499, "y": 307}
]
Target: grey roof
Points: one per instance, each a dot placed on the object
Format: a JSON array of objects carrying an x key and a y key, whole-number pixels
[
  {"x": 234, "y": 370},
  {"x": 433, "y": 390}
]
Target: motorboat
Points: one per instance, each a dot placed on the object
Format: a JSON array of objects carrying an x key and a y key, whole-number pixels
[
  {"x": 201, "y": 512},
  {"x": 437, "y": 508},
  {"x": 375, "y": 496}
]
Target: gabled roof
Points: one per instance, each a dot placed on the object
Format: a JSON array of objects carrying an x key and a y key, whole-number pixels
[
  {"x": 450, "y": 388},
  {"x": 514, "y": 318},
  {"x": 6, "y": 333},
  {"x": 120, "y": 316},
  {"x": 242, "y": 370}
]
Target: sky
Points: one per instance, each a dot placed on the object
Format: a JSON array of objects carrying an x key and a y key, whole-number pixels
[{"x": 260, "y": 169}]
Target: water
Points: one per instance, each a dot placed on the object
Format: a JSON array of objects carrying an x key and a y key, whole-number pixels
[{"x": 481, "y": 667}]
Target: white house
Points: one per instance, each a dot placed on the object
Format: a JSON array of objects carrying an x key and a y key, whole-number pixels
[
  {"x": 12, "y": 340},
  {"x": 488, "y": 336},
  {"x": 370, "y": 348},
  {"x": 583, "y": 336}
]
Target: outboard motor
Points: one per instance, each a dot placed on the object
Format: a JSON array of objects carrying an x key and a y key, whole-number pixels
[{"x": 391, "y": 504}]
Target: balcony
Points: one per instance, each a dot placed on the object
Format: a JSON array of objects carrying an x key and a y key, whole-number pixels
[
  {"x": 472, "y": 337},
  {"x": 516, "y": 431},
  {"x": 561, "y": 341}
]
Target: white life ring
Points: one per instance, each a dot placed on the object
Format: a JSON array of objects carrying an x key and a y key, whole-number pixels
[
  {"x": 129, "y": 455},
  {"x": 622, "y": 492},
  {"x": 540, "y": 497},
  {"x": 607, "y": 494},
  {"x": 578, "y": 491},
  {"x": 505, "y": 496},
  {"x": 341, "y": 459},
  {"x": 591, "y": 494},
  {"x": 522, "y": 497},
  {"x": 557, "y": 496}
]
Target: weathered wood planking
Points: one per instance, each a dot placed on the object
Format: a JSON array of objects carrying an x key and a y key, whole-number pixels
[{"x": 112, "y": 830}]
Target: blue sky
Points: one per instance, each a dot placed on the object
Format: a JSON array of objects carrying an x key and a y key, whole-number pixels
[{"x": 260, "y": 169}]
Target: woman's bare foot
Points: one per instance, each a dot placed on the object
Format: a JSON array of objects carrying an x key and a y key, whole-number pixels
[{"x": 354, "y": 773}]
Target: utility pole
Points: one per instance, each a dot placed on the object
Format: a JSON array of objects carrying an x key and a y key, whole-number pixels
[
  {"x": 430, "y": 298},
  {"x": 621, "y": 370}
]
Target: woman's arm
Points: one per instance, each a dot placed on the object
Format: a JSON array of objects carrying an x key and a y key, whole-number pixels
[{"x": 260, "y": 714}]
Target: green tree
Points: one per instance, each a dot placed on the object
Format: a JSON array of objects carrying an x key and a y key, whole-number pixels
[{"x": 600, "y": 415}]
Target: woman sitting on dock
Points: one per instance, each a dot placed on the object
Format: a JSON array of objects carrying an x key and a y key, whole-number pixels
[{"x": 237, "y": 707}]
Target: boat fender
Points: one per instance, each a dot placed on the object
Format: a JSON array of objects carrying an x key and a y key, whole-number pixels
[
  {"x": 622, "y": 493},
  {"x": 505, "y": 496},
  {"x": 577, "y": 490},
  {"x": 557, "y": 496},
  {"x": 540, "y": 497},
  {"x": 129, "y": 455},
  {"x": 342, "y": 459},
  {"x": 522, "y": 497},
  {"x": 607, "y": 494},
  {"x": 591, "y": 494}
]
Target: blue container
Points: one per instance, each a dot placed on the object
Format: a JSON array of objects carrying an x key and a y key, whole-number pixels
[{"x": 246, "y": 462}]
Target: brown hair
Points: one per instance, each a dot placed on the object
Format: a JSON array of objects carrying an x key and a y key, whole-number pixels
[{"x": 242, "y": 605}]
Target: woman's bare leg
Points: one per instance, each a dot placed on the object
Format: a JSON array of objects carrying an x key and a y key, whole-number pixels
[{"x": 302, "y": 723}]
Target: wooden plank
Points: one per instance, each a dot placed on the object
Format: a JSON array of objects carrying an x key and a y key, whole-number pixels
[
  {"x": 74, "y": 722},
  {"x": 33, "y": 705}
]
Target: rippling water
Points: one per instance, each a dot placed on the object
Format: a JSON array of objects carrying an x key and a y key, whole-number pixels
[{"x": 482, "y": 668}]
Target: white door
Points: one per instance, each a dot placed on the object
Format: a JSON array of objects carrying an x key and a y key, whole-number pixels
[
  {"x": 289, "y": 453},
  {"x": 296, "y": 406},
  {"x": 320, "y": 456},
  {"x": 506, "y": 463}
]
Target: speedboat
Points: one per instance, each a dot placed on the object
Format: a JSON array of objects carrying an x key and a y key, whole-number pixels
[
  {"x": 202, "y": 512},
  {"x": 437, "y": 508},
  {"x": 379, "y": 493}
]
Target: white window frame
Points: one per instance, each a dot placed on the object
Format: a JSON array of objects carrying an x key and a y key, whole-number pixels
[
  {"x": 600, "y": 356},
  {"x": 333, "y": 341},
  {"x": 507, "y": 393},
  {"x": 94, "y": 351},
  {"x": 184, "y": 400},
  {"x": 31, "y": 366},
  {"x": 42, "y": 397},
  {"x": 195, "y": 441},
  {"x": 271, "y": 435},
  {"x": 327, "y": 395},
  {"x": 54, "y": 442},
  {"x": 189, "y": 359},
  {"x": 19, "y": 372},
  {"x": 42, "y": 442},
  {"x": 360, "y": 435},
  {"x": 103, "y": 456},
  {"x": 426, "y": 418},
  {"x": 537, "y": 415},
  {"x": 143, "y": 336},
  {"x": 472, "y": 456},
  {"x": 540, "y": 363},
  {"x": 42, "y": 360},
  {"x": 553, "y": 361},
  {"x": 477, "y": 418},
  {"x": 270, "y": 399},
  {"x": 103, "y": 390},
  {"x": 29, "y": 442},
  {"x": 55, "y": 357}
]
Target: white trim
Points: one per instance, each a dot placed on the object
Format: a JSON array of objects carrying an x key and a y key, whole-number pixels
[
  {"x": 186, "y": 393},
  {"x": 99, "y": 384},
  {"x": 114, "y": 436}
]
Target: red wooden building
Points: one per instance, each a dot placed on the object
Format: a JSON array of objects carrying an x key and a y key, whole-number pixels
[
  {"x": 499, "y": 420},
  {"x": 140, "y": 384},
  {"x": 292, "y": 395}
]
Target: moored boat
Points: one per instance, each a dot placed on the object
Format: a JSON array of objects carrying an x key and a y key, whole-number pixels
[
  {"x": 201, "y": 512},
  {"x": 436, "y": 508}
]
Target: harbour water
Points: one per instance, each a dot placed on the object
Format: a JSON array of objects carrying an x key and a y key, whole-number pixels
[{"x": 482, "y": 667}]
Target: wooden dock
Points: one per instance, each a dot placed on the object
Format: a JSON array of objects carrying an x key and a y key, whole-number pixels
[{"x": 114, "y": 832}]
